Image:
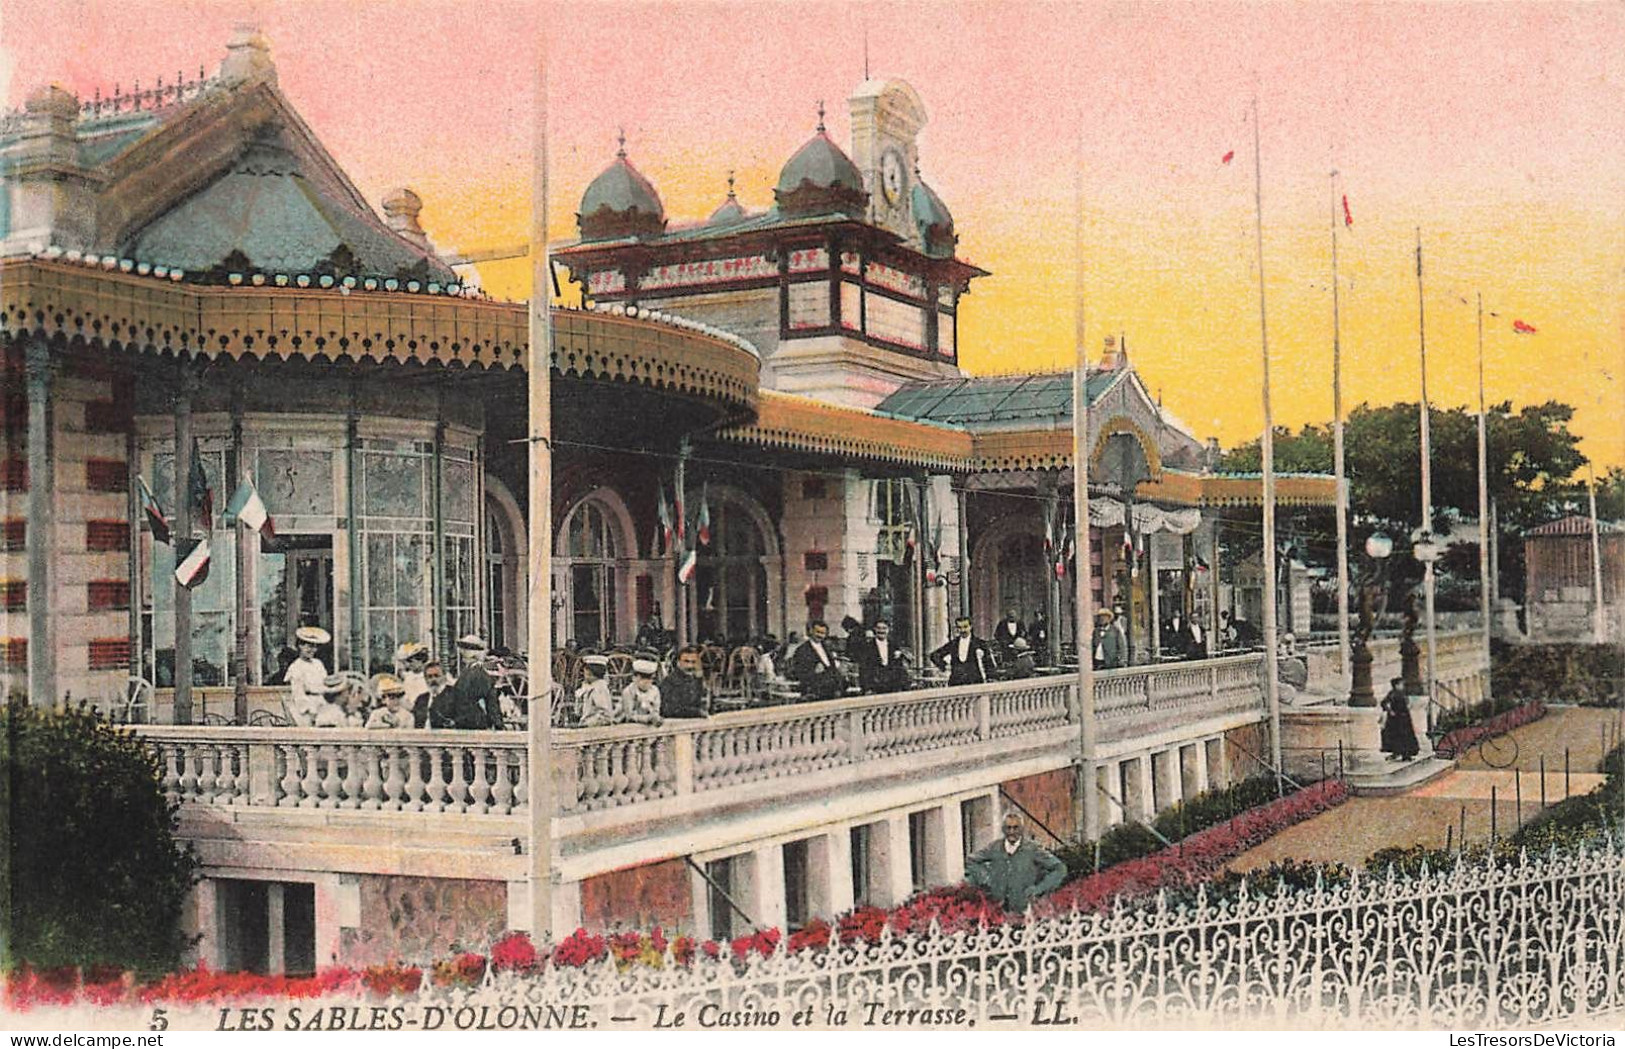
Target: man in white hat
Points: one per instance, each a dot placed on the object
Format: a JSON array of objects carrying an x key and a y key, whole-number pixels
[
  {"x": 640, "y": 701},
  {"x": 593, "y": 698},
  {"x": 307, "y": 676}
]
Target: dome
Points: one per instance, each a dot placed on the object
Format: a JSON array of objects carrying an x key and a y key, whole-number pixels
[
  {"x": 620, "y": 202},
  {"x": 819, "y": 177},
  {"x": 730, "y": 210},
  {"x": 934, "y": 221}
]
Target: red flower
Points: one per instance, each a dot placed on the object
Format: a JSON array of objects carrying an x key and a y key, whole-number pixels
[{"x": 513, "y": 952}]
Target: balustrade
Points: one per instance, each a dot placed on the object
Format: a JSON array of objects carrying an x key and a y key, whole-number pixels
[{"x": 609, "y": 768}]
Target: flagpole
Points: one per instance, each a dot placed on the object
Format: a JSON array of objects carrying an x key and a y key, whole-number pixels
[
  {"x": 239, "y": 684},
  {"x": 1339, "y": 467},
  {"x": 1083, "y": 594},
  {"x": 1272, "y": 689},
  {"x": 1597, "y": 626},
  {"x": 1427, "y": 482},
  {"x": 1484, "y": 595},
  {"x": 182, "y": 534},
  {"x": 539, "y": 379}
]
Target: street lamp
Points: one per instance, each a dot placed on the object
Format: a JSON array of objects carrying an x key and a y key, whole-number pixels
[{"x": 1373, "y": 576}]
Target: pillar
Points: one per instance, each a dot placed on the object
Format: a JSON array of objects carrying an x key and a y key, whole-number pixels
[
  {"x": 1048, "y": 500},
  {"x": 948, "y": 849},
  {"x": 964, "y": 555},
  {"x": 1138, "y": 795},
  {"x": 441, "y": 634},
  {"x": 890, "y": 879},
  {"x": 1218, "y": 763},
  {"x": 41, "y": 527},
  {"x": 185, "y": 389},
  {"x": 1165, "y": 791},
  {"x": 238, "y": 471},
  {"x": 1153, "y": 595},
  {"x": 1189, "y": 778},
  {"x": 352, "y": 536},
  {"x": 1215, "y": 644},
  {"x": 763, "y": 900},
  {"x": 829, "y": 863},
  {"x": 276, "y": 928},
  {"x": 1109, "y": 778}
]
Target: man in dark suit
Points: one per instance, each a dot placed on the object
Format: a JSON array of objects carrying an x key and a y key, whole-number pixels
[
  {"x": 881, "y": 667},
  {"x": 682, "y": 693},
  {"x": 1005, "y": 633},
  {"x": 965, "y": 657},
  {"x": 813, "y": 666}
]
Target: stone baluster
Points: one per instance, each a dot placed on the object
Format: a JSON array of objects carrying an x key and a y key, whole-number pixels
[
  {"x": 392, "y": 792},
  {"x": 435, "y": 788},
  {"x": 563, "y": 800},
  {"x": 169, "y": 759},
  {"x": 683, "y": 762},
  {"x": 261, "y": 786},
  {"x": 310, "y": 786},
  {"x": 457, "y": 788},
  {"x": 480, "y": 789},
  {"x": 373, "y": 761},
  {"x": 619, "y": 755},
  {"x": 226, "y": 787},
  {"x": 188, "y": 784},
  {"x": 502, "y": 786},
  {"x": 332, "y": 784},
  {"x": 208, "y": 754},
  {"x": 857, "y": 741},
  {"x": 415, "y": 788},
  {"x": 293, "y": 783},
  {"x": 353, "y": 775}
]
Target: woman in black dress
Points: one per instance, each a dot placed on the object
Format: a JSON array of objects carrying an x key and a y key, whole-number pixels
[{"x": 1398, "y": 735}]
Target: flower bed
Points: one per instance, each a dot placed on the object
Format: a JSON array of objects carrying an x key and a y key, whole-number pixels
[
  {"x": 1200, "y": 856},
  {"x": 945, "y": 911},
  {"x": 1459, "y": 740}
]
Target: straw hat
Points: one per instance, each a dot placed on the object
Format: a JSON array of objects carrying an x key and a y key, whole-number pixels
[
  {"x": 389, "y": 685},
  {"x": 471, "y": 643},
  {"x": 312, "y": 635},
  {"x": 1103, "y": 614},
  {"x": 411, "y": 650},
  {"x": 333, "y": 683}
]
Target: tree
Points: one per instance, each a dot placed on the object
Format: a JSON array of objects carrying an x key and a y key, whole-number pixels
[{"x": 95, "y": 876}]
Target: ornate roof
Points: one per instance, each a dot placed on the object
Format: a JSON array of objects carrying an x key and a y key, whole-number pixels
[
  {"x": 820, "y": 177},
  {"x": 935, "y": 222},
  {"x": 620, "y": 202},
  {"x": 265, "y": 214}
]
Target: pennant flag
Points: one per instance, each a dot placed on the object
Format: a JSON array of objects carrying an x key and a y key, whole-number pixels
[
  {"x": 1228, "y": 157},
  {"x": 200, "y": 494},
  {"x": 249, "y": 509},
  {"x": 192, "y": 561},
  {"x": 685, "y": 568},
  {"x": 1348, "y": 216},
  {"x": 1523, "y": 329},
  {"x": 155, "y": 513},
  {"x": 1201, "y": 566},
  {"x": 705, "y": 517},
  {"x": 1049, "y": 536},
  {"x": 665, "y": 521}
]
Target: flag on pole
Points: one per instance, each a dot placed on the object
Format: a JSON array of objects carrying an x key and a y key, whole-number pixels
[
  {"x": 192, "y": 561},
  {"x": 249, "y": 509},
  {"x": 705, "y": 516},
  {"x": 199, "y": 493},
  {"x": 1523, "y": 329},
  {"x": 665, "y": 521},
  {"x": 156, "y": 521},
  {"x": 685, "y": 567},
  {"x": 1348, "y": 216},
  {"x": 933, "y": 554}
]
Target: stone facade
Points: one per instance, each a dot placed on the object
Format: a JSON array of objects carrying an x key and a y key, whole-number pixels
[
  {"x": 1049, "y": 797},
  {"x": 421, "y": 919},
  {"x": 656, "y": 894}
]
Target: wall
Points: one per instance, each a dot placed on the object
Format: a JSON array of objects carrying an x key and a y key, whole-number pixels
[
  {"x": 1049, "y": 797},
  {"x": 640, "y": 898},
  {"x": 422, "y": 919},
  {"x": 1238, "y": 742}
]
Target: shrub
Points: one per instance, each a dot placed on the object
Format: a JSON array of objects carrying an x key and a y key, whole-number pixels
[
  {"x": 96, "y": 876},
  {"x": 1592, "y": 675}
]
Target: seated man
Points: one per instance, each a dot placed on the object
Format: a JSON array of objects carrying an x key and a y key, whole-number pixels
[
  {"x": 1022, "y": 663},
  {"x": 682, "y": 693},
  {"x": 1005, "y": 633},
  {"x": 882, "y": 667},
  {"x": 471, "y": 703},
  {"x": 434, "y": 683},
  {"x": 813, "y": 666}
]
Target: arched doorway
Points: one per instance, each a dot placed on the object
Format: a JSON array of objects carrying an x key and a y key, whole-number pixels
[
  {"x": 504, "y": 565},
  {"x": 731, "y": 583},
  {"x": 593, "y": 546}
]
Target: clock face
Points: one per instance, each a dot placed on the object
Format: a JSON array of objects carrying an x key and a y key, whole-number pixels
[{"x": 891, "y": 176}]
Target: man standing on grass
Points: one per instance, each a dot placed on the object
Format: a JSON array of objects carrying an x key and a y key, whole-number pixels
[{"x": 1013, "y": 870}]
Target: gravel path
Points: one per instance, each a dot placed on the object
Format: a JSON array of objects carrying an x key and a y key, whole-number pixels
[{"x": 1433, "y": 814}]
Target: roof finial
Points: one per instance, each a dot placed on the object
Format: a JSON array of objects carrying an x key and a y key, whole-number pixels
[
  {"x": 730, "y": 184},
  {"x": 820, "y": 115},
  {"x": 620, "y": 138}
]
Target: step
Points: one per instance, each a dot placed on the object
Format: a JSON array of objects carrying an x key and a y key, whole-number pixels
[{"x": 1383, "y": 779}]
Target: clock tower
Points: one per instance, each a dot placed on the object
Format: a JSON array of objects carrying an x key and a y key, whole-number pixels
[{"x": 887, "y": 116}]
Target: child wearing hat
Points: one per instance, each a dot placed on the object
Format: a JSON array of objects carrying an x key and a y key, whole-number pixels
[
  {"x": 333, "y": 713},
  {"x": 306, "y": 676},
  {"x": 593, "y": 698},
  {"x": 393, "y": 713},
  {"x": 640, "y": 701}
]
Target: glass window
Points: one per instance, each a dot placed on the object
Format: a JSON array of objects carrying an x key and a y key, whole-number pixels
[
  {"x": 295, "y": 483},
  {"x": 393, "y": 485},
  {"x": 212, "y": 637}
]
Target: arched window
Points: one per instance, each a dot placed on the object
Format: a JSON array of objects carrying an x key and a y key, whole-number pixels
[
  {"x": 496, "y": 574},
  {"x": 590, "y": 550},
  {"x": 731, "y": 580}
]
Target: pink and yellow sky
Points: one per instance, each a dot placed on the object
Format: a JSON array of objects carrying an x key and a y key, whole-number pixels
[{"x": 1498, "y": 128}]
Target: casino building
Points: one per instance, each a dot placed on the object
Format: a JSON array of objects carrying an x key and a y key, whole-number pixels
[{"x": 187, "y": 271}]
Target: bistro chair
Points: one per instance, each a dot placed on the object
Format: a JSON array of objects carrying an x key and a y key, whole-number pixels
[
  {"x": 713, "y": 661},
  {"x": 619, "y": 672},
  {"x": 741, "y": 676}
]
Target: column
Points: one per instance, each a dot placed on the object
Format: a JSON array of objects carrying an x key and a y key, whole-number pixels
[
  {"x": 1154, "y": 596},
  {"x": 964, "y": 554},
  {"x": 41, "y": 527},
  {"x": 1201, "y": 771},
  {"x": 566, "y": 907},
  {"x": 237, "y": 472},
  {"x": 1189, "y": 786},
  {"x": 764, "y": 898},
  {"x": 1048, "y": 500},
  {"x": 185, "y": 389},
  {"x": 829, "y": 863},
  {"x": 1165, "y": 789},
  {"x": 948, "y": 850},
  {"x": 1214, "y": 644},
  {"x": 276, "y": 929},
  {"x": 1218, "y": 764},
  {"x": 352, "y": 537},
  {"x": 441, "y": 634},
  {"x": 1138, "y": 795},
  {"x": 1109, "y": 778},
  {"x": 889, "y": 876}
]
